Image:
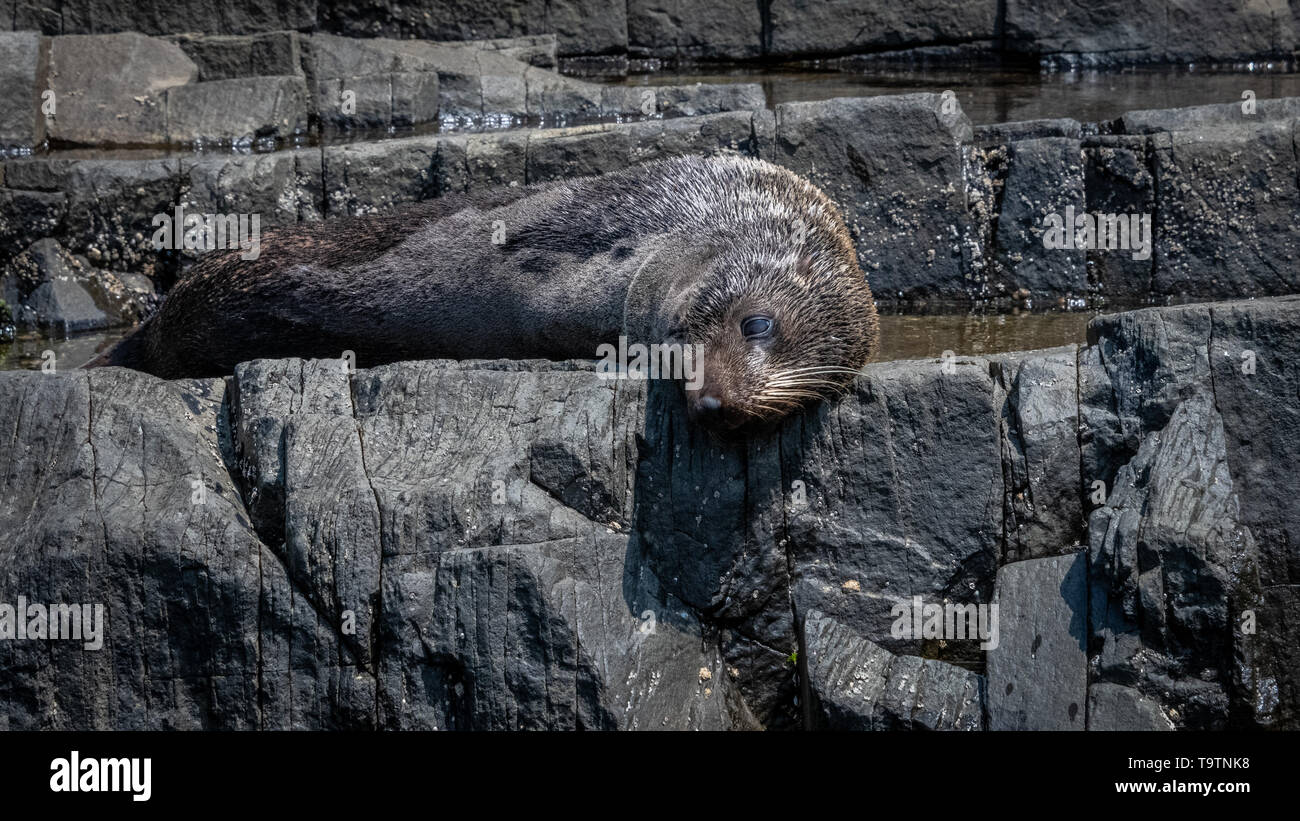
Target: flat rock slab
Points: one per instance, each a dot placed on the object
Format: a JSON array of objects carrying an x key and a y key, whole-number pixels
[
  {"x": 107, "y": 88},
  {"x": 859, "y": 685},
  {"x": 1038, "y": 672}
]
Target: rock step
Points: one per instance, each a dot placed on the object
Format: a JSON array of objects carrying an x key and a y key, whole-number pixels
[{"x": 501, "y": 545}]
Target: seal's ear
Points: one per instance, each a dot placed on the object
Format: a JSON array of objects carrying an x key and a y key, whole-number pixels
[
  {"x": 663, "y": 287},
  {"x": 803, "y": 272}
]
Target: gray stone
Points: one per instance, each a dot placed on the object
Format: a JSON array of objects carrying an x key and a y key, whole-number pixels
[
  {"x": 535, "y": 49},
  {"x": 188, "y": 592},
  {"x": 1115, "y": 708},
  {"x": 22, "y": 124},
  {"x": 858, "y": 685},
  {"x": 108, "y": 88},
  {"x": 52, "y": 290},
  {"x": 597, "y": 149},
  {"x": 913, "y": 506},
  {"x": 522, "y": 545},
  {"x": 237, "y": 111},
  {"x": 281, "y": 187},
  {"x": 361, "y": 178},
  {"x": 1004, "y": 133},
  {"x": 1201, "y": 397},
  {"x": 98, "y": 16},
  {"x": 1152, "y": 121},
  {"x": 701, "y": 98},
  {"x": 392, "y": 100},
  {"x": 580, "y": 26},
  {"x": 104, "y": 207},
  {"x": 1038, "y": 673}
]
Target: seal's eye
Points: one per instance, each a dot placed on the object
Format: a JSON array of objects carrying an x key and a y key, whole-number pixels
[{"x": 756, "y": 327}]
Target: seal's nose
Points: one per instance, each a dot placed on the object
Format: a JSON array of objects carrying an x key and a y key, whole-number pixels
[
  {"x": 710, "y": 410},
  {"x": 708, "y": 405}
]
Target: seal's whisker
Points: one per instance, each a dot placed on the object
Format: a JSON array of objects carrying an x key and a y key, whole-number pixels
[
  {"x": 819, "y": 369},
  {"x": 797, "y": 383}
]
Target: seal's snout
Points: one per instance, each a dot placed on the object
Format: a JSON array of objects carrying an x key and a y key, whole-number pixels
[
  {"x": 708, "y": 404},
  {"x": 711, "y": 409}
]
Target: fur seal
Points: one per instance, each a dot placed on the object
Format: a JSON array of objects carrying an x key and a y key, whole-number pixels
[{"x": 743, "y": 258}]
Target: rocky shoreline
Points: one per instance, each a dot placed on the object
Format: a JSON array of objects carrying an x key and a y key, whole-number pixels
[
  {"x": 523, "y": 545},
  {"x": 942, "y": 211},
  {"x": 1071, "y": 33}
]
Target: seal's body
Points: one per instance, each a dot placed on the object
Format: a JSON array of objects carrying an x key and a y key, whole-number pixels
[{"x": 739, "y": 256}]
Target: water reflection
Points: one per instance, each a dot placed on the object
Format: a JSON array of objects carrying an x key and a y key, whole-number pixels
[
  {"x": 901, "y": 336},
  {"x": 1001, "y": 95}
]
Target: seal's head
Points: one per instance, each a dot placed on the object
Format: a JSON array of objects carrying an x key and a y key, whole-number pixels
[
  {"x": 760, "y": 279},
  {"x": 775, "y": 335}
]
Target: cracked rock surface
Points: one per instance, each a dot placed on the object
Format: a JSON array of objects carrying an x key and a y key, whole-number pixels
[{"x": 501, "y": 545}]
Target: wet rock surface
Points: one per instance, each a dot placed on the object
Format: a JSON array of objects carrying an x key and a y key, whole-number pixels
[
  {"x": 1075, "y": 33},
  {"x": 522, "y": 544},
  {"x": 1196, "y": 202}
]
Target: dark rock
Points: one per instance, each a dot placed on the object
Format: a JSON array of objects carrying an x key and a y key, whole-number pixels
[
  {"x": 585, "y": 150},
  {"x": 1044, "y": 177},
  {"x": 154, "y": 17},
  {"x": 281, "y": 187},
  {"x": 858, "y": 685},
  {"x": 361, "y": 178},
  {"x": 25, "y": 214},
  {"x": 53, "y": 291},
  {"x": 1172, "y": 570},
  {"x": 1038, "y": 671},
  {"x": 1112, "y": 707},
  {"x": 433, "y": 545},
  {"x": 104, "y": 207},
  {"x": 1229, "y": 211},
  {"x": 227, "y": 57},
  {"x": 535, "y": 49},
  {"x": 1118, "y": 180},
  {"x": 476, "y": 162},
  {"x": 683, "y": 29},
  {"x": 1206, "y": 499},
  {"x": 477, "y": 84},
  {"x": 1076, "y": 34},
  {"x": 1042, "y": 511},
  {"x": 140, "y": 517},
  {"x": 1079, "y": 33},
  {"x": 580, "y": 27},
  {"x": 699, "y": 98},
  {"x": 1004, "y": 133},
  {"x": 802, "y": 28},
  {"x": 894, "y": 166},
  {"x": 393, "y": 100},
  {"x": 894, "y": 493}
]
